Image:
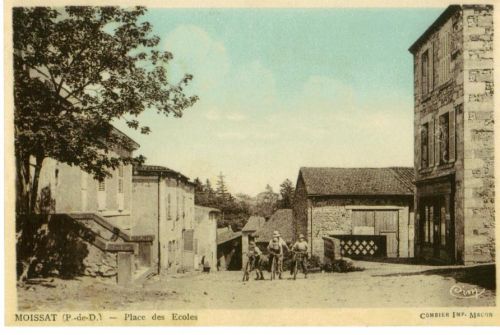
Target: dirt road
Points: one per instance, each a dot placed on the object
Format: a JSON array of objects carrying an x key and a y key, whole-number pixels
[{"x": 379, "y": 285}]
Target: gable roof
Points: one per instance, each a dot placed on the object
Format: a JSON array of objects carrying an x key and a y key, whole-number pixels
[
  {"x": 254, "y": 223},
  {"x": 282, "y": 221},
  {"x": 157, "y": 170},
  {"x": 358, "y": 181},
  {"x": 448, "y": 12},
  {"x": 226, "y": 234}
]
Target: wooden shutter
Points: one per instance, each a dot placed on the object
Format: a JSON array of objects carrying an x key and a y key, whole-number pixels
[
  {"x": 451, "y": 134},
  {"x": 430, "y": 74},
  {"x": 437, "y": 142},
  {"x": 188, "y": 236},
  {"x": 430, "y": 142}
]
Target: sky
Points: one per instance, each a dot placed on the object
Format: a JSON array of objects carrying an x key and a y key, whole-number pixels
[{"x": 284, "y": 88}]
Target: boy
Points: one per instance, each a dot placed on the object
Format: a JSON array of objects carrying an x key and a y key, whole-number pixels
[{"x": 300, "y": 253}]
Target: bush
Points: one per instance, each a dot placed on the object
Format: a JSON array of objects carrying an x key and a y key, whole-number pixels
[
  {"x": 50, "y": 245},
  {"x": 342, "y": 266}
]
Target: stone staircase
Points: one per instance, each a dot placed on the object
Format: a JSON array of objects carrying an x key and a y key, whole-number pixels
[{"x": 113, "y": 251}]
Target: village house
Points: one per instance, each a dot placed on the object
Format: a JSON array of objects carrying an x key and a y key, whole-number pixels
[
  {"x": 260, "y": 230},
  {"x": 205, "y": 237},
  {"x": 454, "y": 141},
  {"x": 163, "y": 205},
  {"x": 104, "y": 209},
  {"x": 369, "y": 210}
]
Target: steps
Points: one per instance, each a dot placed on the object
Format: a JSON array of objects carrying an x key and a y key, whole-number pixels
[{"x": 132, "y": 252}]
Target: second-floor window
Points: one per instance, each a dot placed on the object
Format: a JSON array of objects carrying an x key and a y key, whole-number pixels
[
  {"x": 424, "y": 145},
  {"x": 120, "y": 179},
  {"x": 444, "y": 138},
  {"x": 169, "y": 206},
  {"x": 102, "y": 186},
  {"x": 425, "y": 72}
]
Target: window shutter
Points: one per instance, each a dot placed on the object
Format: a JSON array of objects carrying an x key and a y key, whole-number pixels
[
  {"x": 430, "y": 143},
  {"x": 437, "y": 142},
  {"x": 430, "y": 75},
  {"x": 451, "y": 133}
]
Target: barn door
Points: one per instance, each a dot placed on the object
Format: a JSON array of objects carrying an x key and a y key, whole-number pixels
[{"x": 386, "y": 224}]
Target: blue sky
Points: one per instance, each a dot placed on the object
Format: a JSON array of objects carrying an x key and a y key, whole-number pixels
[{"x": 285, "y": 88}]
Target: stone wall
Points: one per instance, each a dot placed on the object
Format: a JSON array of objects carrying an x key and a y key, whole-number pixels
[
  {"x": 333, "y": 216},
  {"x": 479, "y": 186},
  {"x": 99, "y": 263},
  {"x": 300, "y": 208}
]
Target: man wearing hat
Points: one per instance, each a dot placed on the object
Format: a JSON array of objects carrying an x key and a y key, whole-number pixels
[
  {"x": 300, "y": 249},
  {"x": 276, "y": 248}
]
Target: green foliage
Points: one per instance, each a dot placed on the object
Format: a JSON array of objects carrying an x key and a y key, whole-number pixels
[
  {"x": 267, "y": 203},
  {"x": 234, "y": 213},
  {"x": 286, "y": 191},
  {"x": 50, "y": 245},
  {"x": 76, "y": 70}
]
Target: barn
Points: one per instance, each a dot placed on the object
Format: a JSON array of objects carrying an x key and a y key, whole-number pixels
[{"x": 368, "y": 210}]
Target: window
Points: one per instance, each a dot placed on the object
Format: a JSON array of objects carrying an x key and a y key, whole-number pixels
[
  {"x": 183, "y": 206},
  {"x": 424, "y": 145},
  {"x": 444, "y": 138},
  {"x": 169, "y": 205},
  {"x": 443, "y": 226},
  {"x": 425, "y": 72},
  {"x": 444, "y": 54},
  {"x": 120, "y": 185},
  {"x": 102, "y": 186},
  {"x": 177, "y": 205},
  {"x": 426, "y": 225},
  {"x": 431, "y": 224},
  {"x": 120, "y": 171}
]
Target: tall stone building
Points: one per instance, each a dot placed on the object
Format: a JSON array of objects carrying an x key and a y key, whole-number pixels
[{"x": 454, "y": 142}]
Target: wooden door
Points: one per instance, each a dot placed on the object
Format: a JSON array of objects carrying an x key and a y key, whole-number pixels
[{"x": 386, "y": 223}]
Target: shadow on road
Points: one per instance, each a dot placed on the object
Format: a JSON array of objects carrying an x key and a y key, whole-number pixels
[{"x": 481, "y": 275}]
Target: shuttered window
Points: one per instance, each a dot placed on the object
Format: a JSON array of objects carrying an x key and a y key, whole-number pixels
[
  {"x": 425, "y": 72},
  {"x": 452, "y": 133},
  {"x": 424, "y": 145},
  {"x": 444, "y": 54},
  {"x": 188, "y": 236}
]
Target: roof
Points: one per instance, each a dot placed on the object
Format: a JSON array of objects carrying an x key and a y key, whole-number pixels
[
  {"x": 435, "y": 25},
  {"x": 121, "y": 134},
  {"x": 254, "y": 222},
  {"x": 158, "y": 170},
  {"x": 282, "y": 221},
  {"x": 358, "y": 181},
  {"x": 226, "y": 234}
]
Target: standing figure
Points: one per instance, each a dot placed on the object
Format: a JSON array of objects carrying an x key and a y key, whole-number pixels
[{"x": 299, "y": 250}]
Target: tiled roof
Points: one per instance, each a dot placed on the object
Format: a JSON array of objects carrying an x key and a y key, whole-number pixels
[
  {"x": 156, "y": 169},
  {"x": 226, "y": 234},
  {"x": 254, "y": 223},
  {"x": 282, "y": 221},
  {"x": 358, "y": 181}
]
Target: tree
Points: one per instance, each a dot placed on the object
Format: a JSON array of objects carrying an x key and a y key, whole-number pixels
[
  {"x": 198, "y": 185},
  {"x": 286, "y": 191},
  {"x": 76, "y": 70},
  {"x": 267, "y": 202},
  {"x": 221, "y": 187}
]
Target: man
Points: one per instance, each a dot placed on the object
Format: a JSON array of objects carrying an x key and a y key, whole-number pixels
[
  {"x": 276, "y": 249},
  {"x": 299, "y": 250},
  {"x": 253, "y": 261}
]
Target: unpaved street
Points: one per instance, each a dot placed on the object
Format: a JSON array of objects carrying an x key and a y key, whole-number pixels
[{"x": 379, "y": 285}]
